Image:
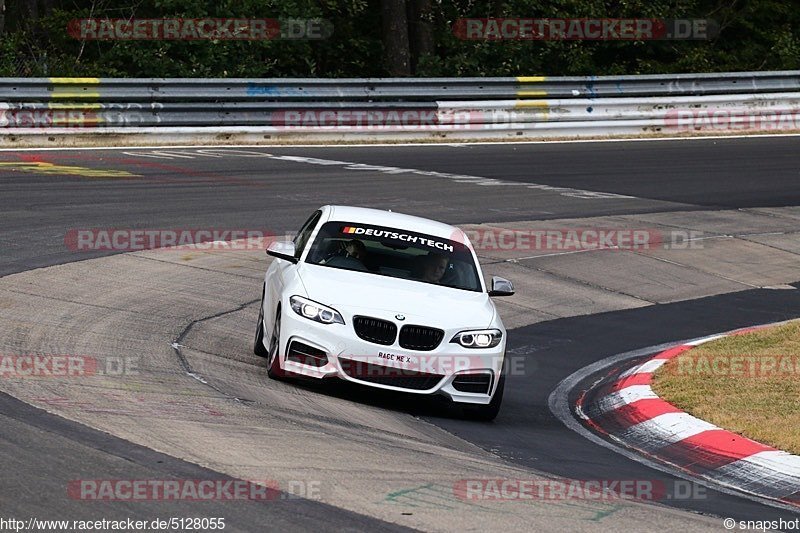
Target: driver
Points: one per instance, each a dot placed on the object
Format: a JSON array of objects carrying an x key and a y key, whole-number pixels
[
  {"x": 356, "y": 250},
  {"x": 433, "y": 267}
]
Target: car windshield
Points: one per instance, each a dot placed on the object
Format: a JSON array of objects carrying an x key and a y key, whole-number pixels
[{"x": 395, "y": 253}]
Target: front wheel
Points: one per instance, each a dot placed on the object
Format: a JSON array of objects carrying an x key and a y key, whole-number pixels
[
  {"x": 258, "y": 342},
  {"x": 488, "y": 412},
  {"x": 274, "y": 369}
]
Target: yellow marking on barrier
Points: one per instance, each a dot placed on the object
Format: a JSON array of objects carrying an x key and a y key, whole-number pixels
[
  {"x": 71, "y": 88},
  {"x": 535, "y": 94},
  {"x": 86, "y": 106},
  {"x": 73, "y": 81},
  {"x": 41, "y": 167},
  {"x": 540, "y": 108},
  {"x": 531, "y": 79},
  {"x": 69, "y": 92},
  {"x": 80, "y": 122},
  {"x": 531, "y": 103}
]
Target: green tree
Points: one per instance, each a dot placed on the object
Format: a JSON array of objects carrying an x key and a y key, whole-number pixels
[{"x": 395, "y": 37}]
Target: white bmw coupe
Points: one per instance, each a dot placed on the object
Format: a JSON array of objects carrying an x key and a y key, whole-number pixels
[{"x": 385, "y": 300}]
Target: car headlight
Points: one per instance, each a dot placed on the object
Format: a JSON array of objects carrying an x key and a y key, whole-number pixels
[
  {"x": 480, "y": 338},
  {"x": 314, "y": 311}
]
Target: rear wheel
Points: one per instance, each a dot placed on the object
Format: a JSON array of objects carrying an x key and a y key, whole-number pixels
[
  {"x": 488, "y": 412},
  {"x": 258, "y": 342},
  {"x": 274, "y": 369}
]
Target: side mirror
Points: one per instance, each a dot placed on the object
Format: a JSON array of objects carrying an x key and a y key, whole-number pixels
[
  {"x": 282, "y": 250},
  {"x": 501, "y": 287}
]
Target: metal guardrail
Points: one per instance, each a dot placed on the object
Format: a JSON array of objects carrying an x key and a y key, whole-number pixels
[
  {"x": 342, "y": 109},
  {"x": 392, "y": 89}
]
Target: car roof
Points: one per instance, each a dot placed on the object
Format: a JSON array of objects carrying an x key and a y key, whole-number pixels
[{"x": 378, "y": 217}]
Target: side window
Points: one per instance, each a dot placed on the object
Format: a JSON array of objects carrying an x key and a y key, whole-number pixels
[{"x": 302, "y": 236}]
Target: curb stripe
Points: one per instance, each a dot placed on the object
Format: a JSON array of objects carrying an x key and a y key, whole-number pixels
[
  {"x": 760, "y": 474},
  {"x": 709, "y": 450},
  {"x": 729, "y": 444},
  {"x": 673, "y": 352},
  {"x": 634, "y": 379},
  {"x": 630, "y": 412},
  {"x": 664, "y": 430},
  {"x": 703, "y": 341},
  {"x": 633, "y": 413},
  {"x": 777, "y": 459},
  {"x": 648, "y": 367},
  {"x": 629, "y": 395}
]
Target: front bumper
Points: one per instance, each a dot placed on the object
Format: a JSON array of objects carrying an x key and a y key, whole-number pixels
[{"x": 350, "y": 358}]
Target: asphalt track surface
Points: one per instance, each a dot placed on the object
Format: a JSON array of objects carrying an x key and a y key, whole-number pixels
[
  {"x": 277, "y": 195},
  {"x": 43, "y": 453},
  {"x": 527, "y": 432}
]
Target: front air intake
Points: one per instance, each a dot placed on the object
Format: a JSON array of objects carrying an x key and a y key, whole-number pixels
[
  {"x": 390, "y": 376},
  {"x": 306, "y": 355},
  {"x": 479, "y": 383}
]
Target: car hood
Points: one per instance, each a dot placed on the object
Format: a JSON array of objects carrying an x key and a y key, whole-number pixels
[{"x": 359, "y": 293}]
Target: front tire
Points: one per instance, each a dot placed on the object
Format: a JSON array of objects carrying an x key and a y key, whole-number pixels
[
  {"x": 274, "y": 369},
  {"x": 488, "y": 412},
  {"x": 258, "y": 342}
]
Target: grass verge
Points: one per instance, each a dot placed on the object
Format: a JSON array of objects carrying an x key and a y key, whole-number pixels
[{"x": 748, "y": 384}]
